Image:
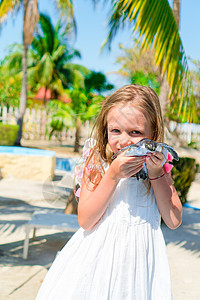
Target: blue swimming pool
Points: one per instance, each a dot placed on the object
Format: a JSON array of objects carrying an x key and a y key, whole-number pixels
[
  {"x": 66, "y": 164},
  {"x": 25, "y": 151}
]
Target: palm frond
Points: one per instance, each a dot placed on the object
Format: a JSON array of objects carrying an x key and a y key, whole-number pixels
[
  {"x": 157, "y": 28},
  {"x": 47, "y": 32},
  {"x": 45, "y": 69},
  {"x": 66, "y": 11},
  {"x": 85, "y": 71},
  {"x": 6, "y": 7}
]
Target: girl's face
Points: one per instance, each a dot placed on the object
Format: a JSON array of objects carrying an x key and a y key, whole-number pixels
[{"x": 126, "y": 125}]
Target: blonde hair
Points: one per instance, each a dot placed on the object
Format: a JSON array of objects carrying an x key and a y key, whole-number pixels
[{"x": 144, "y": 99}]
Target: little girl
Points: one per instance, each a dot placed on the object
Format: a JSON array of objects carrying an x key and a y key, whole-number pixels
[{"x": 119, "y": 252}]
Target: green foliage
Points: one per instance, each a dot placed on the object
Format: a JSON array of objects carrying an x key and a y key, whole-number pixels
[
  {"x": 48, "y": 60},
  {"x": 49, "y": 56},
  {"x": 96, "y": 81},
  {"x": 84, "y": 102},
  {"x": 8, "y": 134},
  {"x": 60, "y": 116},
  {"x": 183, "y": 174},
  {"x": 195, "y": 73},
  {"x": 139, "y": 67},
  {"x": 65, "y": 115},
  {"x": 193, "y": 144},
  {"x": 155, "y": 23},
  {"x": 10, "y": 88},
  {"x": 147, "y": 80}
]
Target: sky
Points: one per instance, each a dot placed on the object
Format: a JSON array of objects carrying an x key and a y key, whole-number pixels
[{"x": 92, "y": 31}]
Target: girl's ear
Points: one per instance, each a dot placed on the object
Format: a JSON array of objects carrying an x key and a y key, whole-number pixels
[{"x": 109, "y": 153}]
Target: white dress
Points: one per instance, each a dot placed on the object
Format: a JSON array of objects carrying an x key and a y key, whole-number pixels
[{"x": 122, "y": 258}]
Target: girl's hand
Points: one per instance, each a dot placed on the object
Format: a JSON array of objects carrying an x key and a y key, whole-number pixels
[
  {"x": 154, "y": 162},
  {"x": 126, "y": 166}
]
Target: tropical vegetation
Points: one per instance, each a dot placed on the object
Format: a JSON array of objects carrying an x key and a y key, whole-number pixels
[
  {"x": 31, "y": 17},
  {"x": 50, "y": 54},
  {"x": 8, "y": 134},
  {"x": 138, "y": 67},
  {"x": 157, "y": 27},
  {"x": 10, "y": 88},
  {"x": 48, "y": 59},
  {"x": 85, "y": 102},
  {"x": 49, "y": 66},
  {"x": 183, "y": 174}
]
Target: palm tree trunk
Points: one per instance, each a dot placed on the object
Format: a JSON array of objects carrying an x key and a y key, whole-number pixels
[
  {"x": 31, "y": 17},
  {"x": 164, "y": 96},
  {"x": 45, "y": 96},
  {"x": 176, "y": 11},
  {"x": 23, "y": 98},
  {"x": 77, "y": 135},
  {"x": 164, "y": 88}
]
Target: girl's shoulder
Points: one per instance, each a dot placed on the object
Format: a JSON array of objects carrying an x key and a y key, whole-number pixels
[
  {"x": 91, "y": 166},
  {"x": 89, "y": 145}
]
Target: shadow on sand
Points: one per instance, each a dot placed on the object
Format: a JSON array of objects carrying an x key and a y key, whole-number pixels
[
  {"x": 188, "y": 234},
  {"x": 19, "y": 213},
  {"x": 42, "y": 251}
]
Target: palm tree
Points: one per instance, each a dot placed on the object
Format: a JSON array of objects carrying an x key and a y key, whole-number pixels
[
  {"x": 50, "y": 56},
  {"x": 31, "y": 17},
  {"x": 86, "y": 99},
  {"x": 158, "y": 29},
  {"x": 48, "y": 59}
]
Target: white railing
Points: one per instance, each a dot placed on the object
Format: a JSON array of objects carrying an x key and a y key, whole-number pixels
[
  {"x": 189, "y": 132},
  {"x": 36, "y": 125}
]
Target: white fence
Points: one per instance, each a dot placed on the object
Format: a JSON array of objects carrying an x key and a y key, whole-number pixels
[
  {"x": 36, "y": 126},
  {"x": 189, "y": 132}
]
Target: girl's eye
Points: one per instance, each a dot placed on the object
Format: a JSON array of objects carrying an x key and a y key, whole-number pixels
[
  {"x": 135, "y": 132},
  {"x": 115, "y": 130}
]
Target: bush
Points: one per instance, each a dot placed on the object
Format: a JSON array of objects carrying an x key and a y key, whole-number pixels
[
  {"x": 8, "y": 134},
  {"x": 183, "y": 174}
]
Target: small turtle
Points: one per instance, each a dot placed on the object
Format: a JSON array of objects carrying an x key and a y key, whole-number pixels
[{"x": 144, "y": 147}]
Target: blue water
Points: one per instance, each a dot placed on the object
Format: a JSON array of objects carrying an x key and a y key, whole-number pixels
[
  {"x": 65, "y": 164},
  {"x": 191, "y": 206},
  {"x": 26, "y": 151}
]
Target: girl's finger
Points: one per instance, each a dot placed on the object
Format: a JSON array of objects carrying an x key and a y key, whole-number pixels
[
  {"x": 137, "y": 159},
  {"x": 133, "y": 172},
  {"x": 158, "y": 155},
  {"x": 134, "y": 166},
  {"x": 133, "y": 163},
  {"x": 156, "y": 158},
  {"x": 131, "y": 159}
]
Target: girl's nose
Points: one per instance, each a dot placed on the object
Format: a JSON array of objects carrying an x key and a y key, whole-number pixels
[{"x": 125, "y": 141}]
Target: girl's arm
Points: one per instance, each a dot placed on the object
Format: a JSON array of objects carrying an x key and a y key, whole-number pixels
[
  {"x": 166, "y": 195},
  {"x": 93, "y": 202}
]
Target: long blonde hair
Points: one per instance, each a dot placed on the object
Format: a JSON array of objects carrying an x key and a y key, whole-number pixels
[{"x": 144, "y": 99}]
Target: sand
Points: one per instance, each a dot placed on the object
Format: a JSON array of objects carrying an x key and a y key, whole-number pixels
[{"x": 21, "y": 279}]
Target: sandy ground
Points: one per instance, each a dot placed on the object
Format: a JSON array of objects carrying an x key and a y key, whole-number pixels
[{"x": 21, "y": 279}]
